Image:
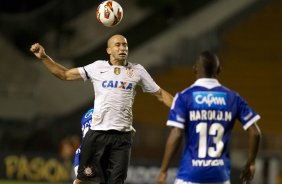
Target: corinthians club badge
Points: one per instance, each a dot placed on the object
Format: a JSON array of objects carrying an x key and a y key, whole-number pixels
[
  {"x": 117, "y": 71},
  {"x": 129, "y": 72},
  {"x": 88, "y": 171}
]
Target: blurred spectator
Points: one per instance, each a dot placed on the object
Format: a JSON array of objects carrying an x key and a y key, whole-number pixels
[{"x": 68, "y": 146}]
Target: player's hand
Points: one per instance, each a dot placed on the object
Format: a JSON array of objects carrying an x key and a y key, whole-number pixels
[
  {"x": 248, "y": 173},
  {"x": 38, "y": 51},
  {"x": 161, "y": 178}
]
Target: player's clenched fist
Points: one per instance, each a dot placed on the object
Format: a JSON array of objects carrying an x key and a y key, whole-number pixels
[{"x": 38, "y": 51}]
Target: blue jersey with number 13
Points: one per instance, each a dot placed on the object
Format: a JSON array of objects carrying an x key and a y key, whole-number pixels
[{"x": 207, "y": 116}]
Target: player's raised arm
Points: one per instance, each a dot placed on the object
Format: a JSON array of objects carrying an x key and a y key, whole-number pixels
[
  {"x": 55, "y": 68},
  {"x": 164, "y": 97}
]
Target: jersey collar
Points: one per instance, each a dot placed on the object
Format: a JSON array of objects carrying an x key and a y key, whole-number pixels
[{"x": 207, "y": 83}]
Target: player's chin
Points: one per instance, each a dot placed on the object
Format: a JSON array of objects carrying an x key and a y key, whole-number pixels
[{"x": 122, "y": 57}]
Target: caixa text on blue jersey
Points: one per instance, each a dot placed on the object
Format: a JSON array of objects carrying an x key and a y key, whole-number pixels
[{"x": 117, "y": 84}]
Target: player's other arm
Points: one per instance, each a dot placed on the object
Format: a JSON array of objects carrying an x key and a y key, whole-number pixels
[
  {"x": 172, "y": 145},
  {"x": 55, "y": 68},
  {"x": 254, "y": 135},
  {"x": 164, "y": 96}
]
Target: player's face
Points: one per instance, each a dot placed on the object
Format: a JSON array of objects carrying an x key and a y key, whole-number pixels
[{"x": 118, "y": 48}]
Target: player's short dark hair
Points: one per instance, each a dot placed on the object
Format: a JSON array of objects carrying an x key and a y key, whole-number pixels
[{"x": 210, "y": 62}]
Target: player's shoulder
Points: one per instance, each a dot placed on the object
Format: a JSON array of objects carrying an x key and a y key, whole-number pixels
[
  {"x": 137, "y": 68},
  {"x": 96, "y": 64},
  {"x": 135, "y": 65},
  {"x": 101, "y": 63},
  {"x": 228, "y": 90},
  {"x": 184, "y": 94},
  {"x": 187, "y": 90}
]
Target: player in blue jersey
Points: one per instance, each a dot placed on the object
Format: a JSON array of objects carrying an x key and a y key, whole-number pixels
[
  {"x": 85, "y": 125},
  {"x": 204, "y": 114}
]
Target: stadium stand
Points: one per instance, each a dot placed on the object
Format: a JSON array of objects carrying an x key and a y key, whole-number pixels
[{"x": 252, "y": 60}]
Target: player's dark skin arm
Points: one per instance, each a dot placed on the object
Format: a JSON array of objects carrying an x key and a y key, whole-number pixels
[
  {"x": 172, "y": 145},
  {"x": 254, "y": 141}
]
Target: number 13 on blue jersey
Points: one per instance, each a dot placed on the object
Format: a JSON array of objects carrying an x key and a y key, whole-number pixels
[{"x": 216, "y": 130}]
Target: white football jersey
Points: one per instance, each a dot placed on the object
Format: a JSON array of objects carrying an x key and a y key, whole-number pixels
[{"x": 114, "y": 88}]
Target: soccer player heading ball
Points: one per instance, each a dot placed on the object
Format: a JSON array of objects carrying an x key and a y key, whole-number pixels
[{"x": 106, "y": 147}]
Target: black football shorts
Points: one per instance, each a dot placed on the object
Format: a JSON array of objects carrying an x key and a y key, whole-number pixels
[{"x": 105, "y": 156}]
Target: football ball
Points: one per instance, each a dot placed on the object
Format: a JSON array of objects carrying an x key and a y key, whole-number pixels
[{"x": 109, "y": 13}]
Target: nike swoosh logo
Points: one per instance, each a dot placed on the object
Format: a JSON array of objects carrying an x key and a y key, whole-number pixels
[{"x": 103, "y": 72}]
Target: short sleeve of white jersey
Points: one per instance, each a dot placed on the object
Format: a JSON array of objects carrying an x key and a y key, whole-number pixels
[
  {"x": 147, "y": 83},
  {"x": 85, "y": 71}
]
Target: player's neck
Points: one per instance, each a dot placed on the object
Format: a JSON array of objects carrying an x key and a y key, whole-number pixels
[
  {"x": 200, "y": 75},
  {"x": 118, "y": 62}
]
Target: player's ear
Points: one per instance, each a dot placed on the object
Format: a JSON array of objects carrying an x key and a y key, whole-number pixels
[
  {"x": 219, "y": 69},
  {"x": 195, "y": 70},
  {"x": 109, "y": 51}
]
